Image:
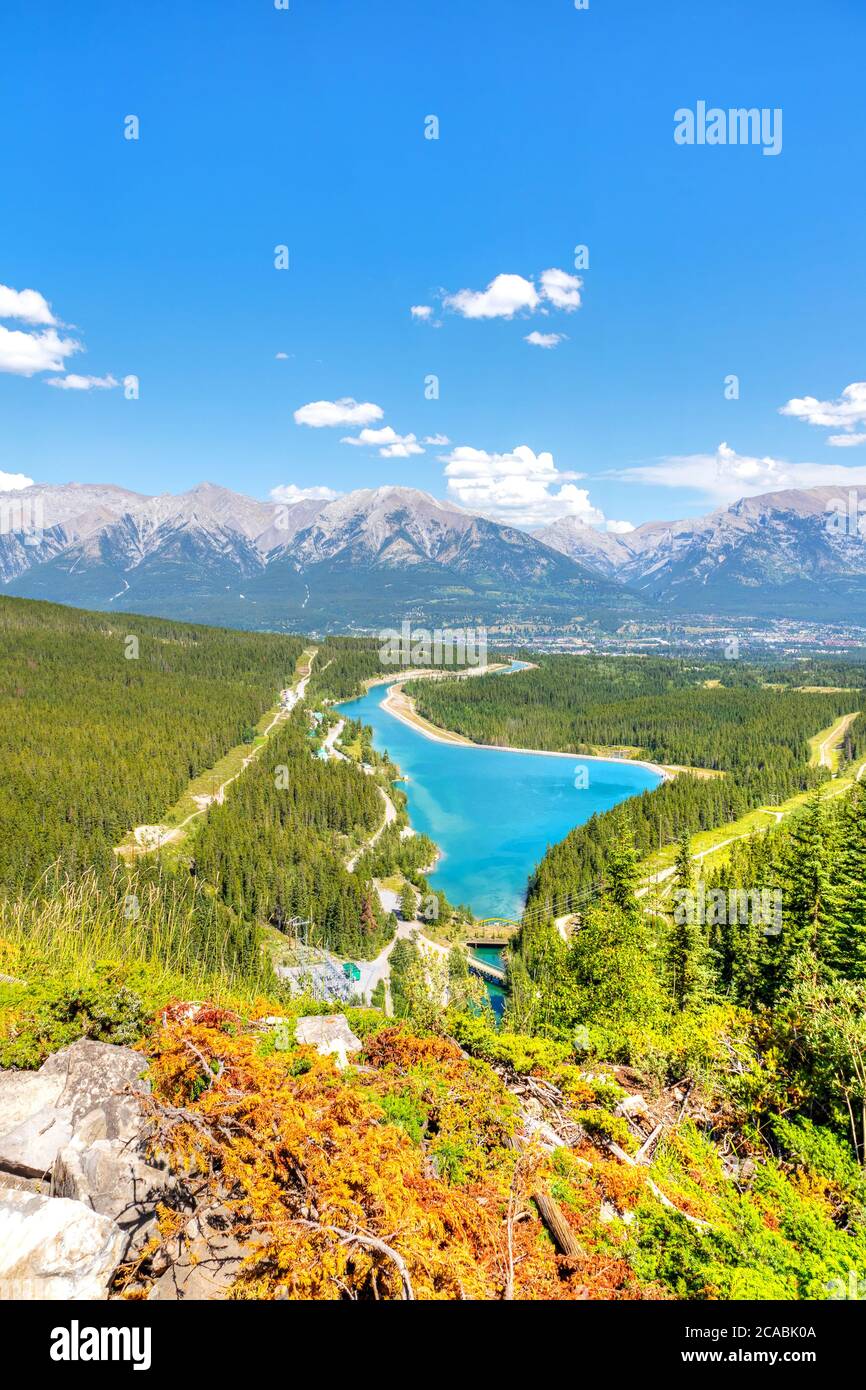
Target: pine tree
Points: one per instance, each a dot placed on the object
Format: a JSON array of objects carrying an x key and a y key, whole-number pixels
[
  {"x": 620, "y": 874},
  {"x": 846, "y": 950},
  {"x": 687, "y": 949},
  {"x": 408, "y": 903},
  {"x": 806, "y": 891}
]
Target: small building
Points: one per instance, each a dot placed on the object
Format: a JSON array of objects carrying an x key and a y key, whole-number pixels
[{"x": 351, "y": 971}]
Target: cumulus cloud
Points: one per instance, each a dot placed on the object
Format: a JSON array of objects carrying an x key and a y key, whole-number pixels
[
  {"x": 403, "y": 449},
  {"x": 290, "y": 493},
  {"x": 846, "y": 441},
  {"x": 438, "y": 440},
  {"x": 505, "y": 296},
  {"x": 619, "y": 528},
  {"x": 11, "y": 482},
  {"x": 346, "y": 411},
  {"x": 562, "y": 289},
  {"x": 281, "y": 356},
  {"x": 390, "y": 444},
  {"x": 72, "y": 382},
  {"x": 40, "y": 347},
  {"x": 848, "y": 413},
  {"x": 29, "y": 306},
  {"x": 544, "y": 340},
  {"x": 523, "y": 488},
  {"x": 25, "y": 354},
  {"x": 725, "y": 476},
  {"x": 421, "y": 311}
]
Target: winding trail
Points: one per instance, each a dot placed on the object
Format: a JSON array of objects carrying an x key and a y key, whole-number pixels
[{"x": 390, "y": 817}]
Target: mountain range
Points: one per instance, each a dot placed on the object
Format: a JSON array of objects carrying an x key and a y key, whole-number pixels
[
  {"x": 795, "y": 553},
  {"x": 376, "y": 556}
]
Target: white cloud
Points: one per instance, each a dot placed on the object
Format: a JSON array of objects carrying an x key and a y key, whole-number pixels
[
  {"x": 544, "y": 340},
  {"x": 11, "y": 482},
  {"x": 507, "y": 295},
  {"x": 421, "y": 311},
  {"x": 370, "y": 438},
  {"x": 71, "y": 382},
  {"x": 522, "y": 488},
  {"x": 846, "y": 441},
  {"x": 562, "y": 289},
  {"x": 504, "y": 297},
  {"x": 848, "y": 413},
  {"x": 391, "y": 445},
  {"x": 438, "y": 440},
  {"x": 290, "y": 492},
  {"x": 281, "y": 356},
  {"x": 725, "y": 476},
  {"x": 25, "y": 354},
  {"x": 619, "y": 528},
  {"x": 27, "y": 305},
  {"x": 346, "y": 411},
  {"x": 403, "y": 449}
]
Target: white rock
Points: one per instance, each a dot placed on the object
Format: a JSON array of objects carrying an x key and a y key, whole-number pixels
[
  {"x": 53, "y": 1248},
  {"x": 632, "y": 1105},
  {"x": 40, "y": 1111},
  {"x": 328, "y": 1033}
]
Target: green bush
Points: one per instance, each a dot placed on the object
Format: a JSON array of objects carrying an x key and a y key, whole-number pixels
[{"x": 53, "y": 1013}]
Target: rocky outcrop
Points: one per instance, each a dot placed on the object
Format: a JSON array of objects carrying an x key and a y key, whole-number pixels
[
  {"x": 104, "y": 1165},
  {"x": 41, "y": 1111},
  {"x": 53, "y": 1248}
]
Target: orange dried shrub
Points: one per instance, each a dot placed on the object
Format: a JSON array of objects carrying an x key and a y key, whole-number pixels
[
  {"x": 337, "y": 1203},
  {"x": 335, "y": 1190}
]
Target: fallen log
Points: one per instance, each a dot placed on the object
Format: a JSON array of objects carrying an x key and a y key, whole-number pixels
[{"x": 561, "y": 1233}]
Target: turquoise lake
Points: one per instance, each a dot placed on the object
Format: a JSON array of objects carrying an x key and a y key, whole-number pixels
[{"x": 492, "y": 811}]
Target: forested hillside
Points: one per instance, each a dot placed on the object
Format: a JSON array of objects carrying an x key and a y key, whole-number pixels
[
  {"x": 103, "y": 722},
  {"x": 343, "y": 664},
  {"x": 276, "y": 848}
]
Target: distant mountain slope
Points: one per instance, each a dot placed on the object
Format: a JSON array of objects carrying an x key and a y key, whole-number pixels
[
  {"x": 375, "y": 556},
  {"x": 599, "y": 550},
  {"x": 371, "y": 557},
  {"x": 777, "y": 554}
]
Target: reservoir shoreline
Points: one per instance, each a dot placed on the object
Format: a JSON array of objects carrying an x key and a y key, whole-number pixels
[{"x": 416, "y": 721}]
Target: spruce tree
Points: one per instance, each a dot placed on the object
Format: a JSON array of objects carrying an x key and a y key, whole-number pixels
[{"x": 846, "y": 947}]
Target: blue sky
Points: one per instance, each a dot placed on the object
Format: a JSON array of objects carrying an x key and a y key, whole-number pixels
[{"x": 262, "y": 127}]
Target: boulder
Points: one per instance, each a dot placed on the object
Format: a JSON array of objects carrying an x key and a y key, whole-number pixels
[
  {"x": 53, "y": 1248},
  {"x": 104, "y": 1166},
  {"x": 94, "y": 1072},
  {"x": 205, "y": 1264},
  {"x": 633, "y": 1106},
  {"x": 328, "y": 1033},
  {"x": 40, "y": 1111},
  {"x": 23, "y": 1093}
]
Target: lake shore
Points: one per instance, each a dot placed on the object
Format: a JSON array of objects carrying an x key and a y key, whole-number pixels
[{"x": 401, "y": 706}]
